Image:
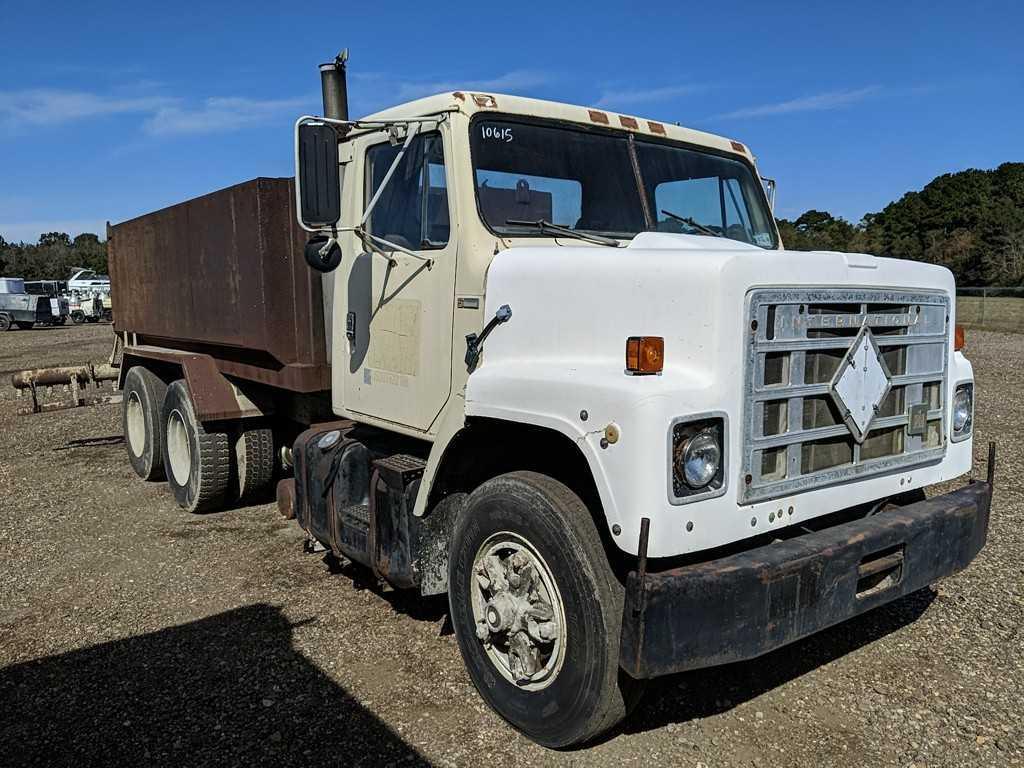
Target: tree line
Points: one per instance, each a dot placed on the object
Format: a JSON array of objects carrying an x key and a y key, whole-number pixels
[
  {"x": 53, "y": 257},
  {"x": 971, "y": 222}
]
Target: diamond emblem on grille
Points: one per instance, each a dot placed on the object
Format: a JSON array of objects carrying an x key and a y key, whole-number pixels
[{"x": 861, "y": 384}]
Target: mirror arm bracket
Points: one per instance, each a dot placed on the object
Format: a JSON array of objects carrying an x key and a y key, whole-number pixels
[
  {"x": 371, "y": 240},
  {"x": 475, "y": 342}
]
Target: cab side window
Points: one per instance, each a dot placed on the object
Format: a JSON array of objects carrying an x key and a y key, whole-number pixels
[{"x": 413, "y": 210}]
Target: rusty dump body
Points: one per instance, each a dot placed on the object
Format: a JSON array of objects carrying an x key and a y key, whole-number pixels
[{"x": 223, "y": 276}]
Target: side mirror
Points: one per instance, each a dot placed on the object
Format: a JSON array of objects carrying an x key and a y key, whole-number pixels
[
  {"x": 323, "y": 253},
  {"x": 318, "y": 176}
]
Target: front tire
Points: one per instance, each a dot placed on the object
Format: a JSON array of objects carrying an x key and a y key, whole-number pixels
[
  {"x": 525, "y": 540},
  {"x": 142, "y": 424},
  {"x": 196, "y": 460}
]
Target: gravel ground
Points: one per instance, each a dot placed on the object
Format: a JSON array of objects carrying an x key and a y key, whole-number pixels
[{"x": 132, "y": 633}]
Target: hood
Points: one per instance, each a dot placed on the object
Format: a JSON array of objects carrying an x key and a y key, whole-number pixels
[{"x": 582, "y": 301}]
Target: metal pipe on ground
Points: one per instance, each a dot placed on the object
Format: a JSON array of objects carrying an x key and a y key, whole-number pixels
[
  {"x": 53, "y": 377},
  {"x": 73, "y": 379}
]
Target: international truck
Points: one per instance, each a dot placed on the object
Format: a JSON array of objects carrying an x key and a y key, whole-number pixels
[{"x": 555, "y": 362}]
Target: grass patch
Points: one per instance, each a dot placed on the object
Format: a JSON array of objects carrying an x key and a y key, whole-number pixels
[{"x": 991, "y": 313}]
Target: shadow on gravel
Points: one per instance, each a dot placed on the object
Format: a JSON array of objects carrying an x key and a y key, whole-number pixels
[
  {"x": 90, "y": 442},
  {"x": 227, "y": 690},
  {"x": 694, "y": 695},
  {"x": 432, "y": 608}
]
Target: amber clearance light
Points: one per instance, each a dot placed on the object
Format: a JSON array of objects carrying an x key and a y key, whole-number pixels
[
  {"x": 645, "y": 354},
  {"x": 959, "y": 338}
]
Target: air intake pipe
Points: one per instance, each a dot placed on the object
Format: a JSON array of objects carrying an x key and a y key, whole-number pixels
[{"x": 335, "y": 87}]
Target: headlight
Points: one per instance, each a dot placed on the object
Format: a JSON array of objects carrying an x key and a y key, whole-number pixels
[
  {"x": 963, "y": 410},
  {"x": 701, "y": 458},
  {"x": 697, "y": 457}
]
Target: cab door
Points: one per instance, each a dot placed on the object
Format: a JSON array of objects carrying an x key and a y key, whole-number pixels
[{"x": 398, "y": 307}]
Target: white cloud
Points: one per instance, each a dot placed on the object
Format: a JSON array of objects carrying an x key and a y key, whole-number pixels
[
  {"x": 516, "y": 81},
  {"x": 162, "y": 115},
  {"x": 817, "y": 103},
  {"x": 625, "y": 98},
  {"x": 220, "y": 114},
  {"x": 43, "y": 106},
  {"x": 372, "y": 91},
  {"x": 165, "y": 115}
]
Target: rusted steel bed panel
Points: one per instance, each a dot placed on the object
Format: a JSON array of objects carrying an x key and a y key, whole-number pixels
[{"x": 223, "y": 275}]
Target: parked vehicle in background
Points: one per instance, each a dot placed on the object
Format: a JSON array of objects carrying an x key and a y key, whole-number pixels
[
  {"x": 86, "y": 307},
  {"x": 89, "y": 294},
  {"x": 88, "y": 281},
  {"x": 56, "y": 291},
  {"x": 559, "y": 366},
  {"x": 21, "y": 309}
]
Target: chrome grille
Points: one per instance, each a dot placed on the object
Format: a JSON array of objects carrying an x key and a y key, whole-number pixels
[{"x": 794, "y": 438}]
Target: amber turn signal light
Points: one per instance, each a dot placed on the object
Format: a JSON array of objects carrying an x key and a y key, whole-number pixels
[
  {"x": 645, "y": 354},
  {"x": 959, "y": 338}
]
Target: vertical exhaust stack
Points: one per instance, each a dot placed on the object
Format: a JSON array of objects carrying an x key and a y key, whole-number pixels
[{"x": 335, "y": 87}]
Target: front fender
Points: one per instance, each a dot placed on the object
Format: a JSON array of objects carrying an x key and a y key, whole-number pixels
[{"x": 581, "y": 402}]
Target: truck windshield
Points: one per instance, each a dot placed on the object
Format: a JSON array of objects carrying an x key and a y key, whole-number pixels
[{"x": 585, "y": 180}]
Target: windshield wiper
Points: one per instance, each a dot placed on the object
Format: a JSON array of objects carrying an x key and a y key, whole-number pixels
[
  {"x": 547, "y": 226},
  {"x": 691, "y": 223}
]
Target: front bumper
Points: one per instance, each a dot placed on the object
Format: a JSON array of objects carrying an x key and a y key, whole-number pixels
[{"x": 745, "y": 605}]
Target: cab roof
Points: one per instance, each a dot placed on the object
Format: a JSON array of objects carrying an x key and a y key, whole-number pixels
[{"x": 471, "y": 103}]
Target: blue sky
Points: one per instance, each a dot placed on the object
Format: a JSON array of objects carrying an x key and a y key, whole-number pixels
[{"x": 109, "y": 110}]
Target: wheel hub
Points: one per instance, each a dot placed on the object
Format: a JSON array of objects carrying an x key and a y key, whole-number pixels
[
  {"x": 518, "y": 612},
  {"x": 178, "y": 450},
  {"x": 136, "y": 424}
]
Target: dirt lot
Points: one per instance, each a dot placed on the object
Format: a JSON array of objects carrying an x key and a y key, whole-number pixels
[{"x": 134, "y": 634}]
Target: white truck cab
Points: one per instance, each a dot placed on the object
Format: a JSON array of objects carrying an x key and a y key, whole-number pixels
[{"x": 657, "y": 439}]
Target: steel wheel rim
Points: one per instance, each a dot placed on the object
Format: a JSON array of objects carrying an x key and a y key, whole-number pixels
[
  {"x": 178, "y": 449},
  {"x": 136, "y": 425},
  {"x": 523, "y": 652}
]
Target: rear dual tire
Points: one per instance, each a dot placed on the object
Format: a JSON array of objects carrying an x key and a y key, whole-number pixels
[
  {"x": 142, "y": 422},
  {"x": 205, "y": 466},
  {"x": 197, "y": 460},
  {"x": 253, "y": 461}
]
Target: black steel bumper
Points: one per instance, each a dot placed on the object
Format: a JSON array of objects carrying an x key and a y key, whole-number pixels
[{"x": 744, "y": 605}]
